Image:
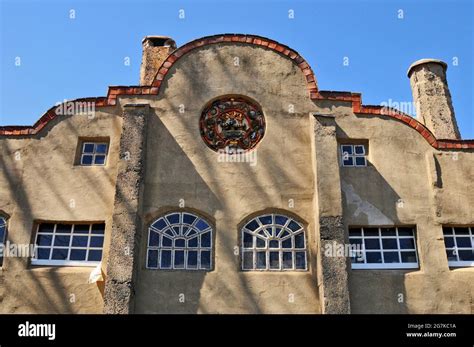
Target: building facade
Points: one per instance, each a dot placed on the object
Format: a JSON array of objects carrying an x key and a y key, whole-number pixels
[{"x": 228, "y": 182}]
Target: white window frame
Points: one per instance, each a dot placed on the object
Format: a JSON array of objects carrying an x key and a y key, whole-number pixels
[
  {"x": 56, "y": 262},
  {"x": 94, "y": 153},
  {"x": 345, "y": 155},
  {"x": 459, "y": 263},
  {"x": 185, "y": 248},
  {"x": 383, "y": 265},
  {"x": 254, "y": 249}
]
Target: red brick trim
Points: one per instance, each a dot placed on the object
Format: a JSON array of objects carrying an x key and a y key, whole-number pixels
[
  {"x": 354, "y": 98},
  {"x": 243, "y": 39},
  {"x": 377, "y": 110}
]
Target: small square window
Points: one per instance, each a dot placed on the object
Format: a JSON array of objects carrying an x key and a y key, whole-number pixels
[
  {"x": 93, "y": 153},
  {"x": 353, "y": 155}
]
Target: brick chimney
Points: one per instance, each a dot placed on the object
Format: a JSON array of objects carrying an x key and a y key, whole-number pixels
[
  {"x": 155, "y": 50},
  {"x": 432, "y": 98}
]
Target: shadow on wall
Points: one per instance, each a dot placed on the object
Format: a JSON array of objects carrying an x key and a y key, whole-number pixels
[
  {"x": 28, "y": 289},
  {"x": 176, "y": 177},
  {"x": 371, "y": 201}
]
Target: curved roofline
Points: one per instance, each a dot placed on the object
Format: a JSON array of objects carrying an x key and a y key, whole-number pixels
[
  {"x": 354, "y": 98},
  {"x": 244, "y": 39}
]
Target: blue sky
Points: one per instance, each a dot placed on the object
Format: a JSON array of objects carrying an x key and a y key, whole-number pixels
[{"x": 63, "y": 58}]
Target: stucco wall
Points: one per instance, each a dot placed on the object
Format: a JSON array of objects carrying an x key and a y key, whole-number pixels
[
  {"x": 398, "y": 188},
  {"x": 39, "y": 181},
  {"x": 180, "y": 166},
  {"x": 407, "y": 182}
]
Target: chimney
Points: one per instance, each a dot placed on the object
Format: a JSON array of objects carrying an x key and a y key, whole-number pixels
[
  {"x": 432, "y": 98},
  {"x": 155, "y": 50}
]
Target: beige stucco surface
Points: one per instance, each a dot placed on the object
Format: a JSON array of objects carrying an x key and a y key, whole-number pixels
[
  {"x": 181, "y": 169},
  {"x": 39, "y": 181}
]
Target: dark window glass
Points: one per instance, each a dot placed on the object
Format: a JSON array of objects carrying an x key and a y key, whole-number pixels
[
  {"x": 78, "y": 254},
  {"x": 98, "y": 228},
  {"x": 348, "y": 161},
  {"x": 347, "y": 150},
  {"x": 60, "y": 253},
  {"x": 193, "y": 242},
  {"x": 261, "y": 260},
  {"x": 188, "y": 219},
  {"x": 300, "y": 260},
  {"x": 287, "y": 260},
  {"x": 360, "y": 161},
  {"x": 81, "y": 229},
  {"x": 206, "y": 240},
  {"x": 461, "y": 231},
  {"x": 407, "y": 243},
  {"x": 99, "y": 160},
  {"x": 153, "y": 258},
  {"x": 355, "y": 232},
  {"x": 248, "y": 240},
  {"x": 173, "y": 218},
  {"x": 389, "y": 244},
  {"x": 260, "y": 243},
  {"x": 388, "y": 232},
  {"x": 201, "y": 225},
  {"x": 192, "y": 259},
  {"x": 274, "y": 260},
  {"x": 87, "y": 159},
  {"x": 448, "y": 242},
  {"x": 408, "y": 257},
  {"x": 159, "y": 224},
  {"x": 101, "y": 148},
  {"x": 165, "y": 259},
  {"x": 286, "y": 243},
  {"x": 281, "y": 220},
  {"x": 299, "y": 240},
  {"x": 206, "y": 259},
  {"x": 43, "y": 253},
  {"x": 44, "y": 240},
  {"x": 79, "y": 241},
  {"x": 466, "y": 255},
  {"x": 372, "y": 243},
  {"x": 46, "y": 228},
  {"x": 166, "y": 241},
  {"x": 294, "y": 226},
  {"x": 371, "y": 232},
  {"x": 179, "y": 259},
  {"x": 373, "y": 257},
  {"x": 95, "y": 255},
  {"x": 274, "y": 244},
  {"x": 179, "y": 242},
  {"x": 62, "y": 240},
  {"x": 247, "y": 260},
  {"x": 154, "y": 239},
  {"x": 252, "y": 225},
  {"x": 64, "y": 228},
  {"x": 265, "y": 220},
  {"x": 88, "y": 148},
  {"x": 463, "y": 242},
  {"x": 391, "y": 257},
  {"x": 97, "y": 241},
  {"x": 405, "y": 231}
]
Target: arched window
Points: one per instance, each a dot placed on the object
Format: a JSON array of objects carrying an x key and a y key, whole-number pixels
[
  {"x": 179, "y": 240},
  {"x": 273, "y": 242},
  {"x": 3, "y": 235}
]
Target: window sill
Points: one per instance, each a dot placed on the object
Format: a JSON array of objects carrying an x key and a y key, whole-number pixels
[{"x": 60, "y": 269}]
